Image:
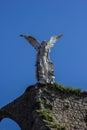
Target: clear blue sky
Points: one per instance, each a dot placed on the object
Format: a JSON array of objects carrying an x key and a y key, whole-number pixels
[{"x": 41, "y": 19}]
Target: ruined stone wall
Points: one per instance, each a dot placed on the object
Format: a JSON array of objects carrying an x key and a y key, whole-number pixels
[{"x": 48, "y": 107}]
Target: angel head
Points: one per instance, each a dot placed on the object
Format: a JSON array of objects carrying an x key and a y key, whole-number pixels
[{"x": 44, "y": 43}]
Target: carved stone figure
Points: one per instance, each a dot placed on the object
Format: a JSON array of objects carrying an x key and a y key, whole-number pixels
[{"x": 44, "y": 66}]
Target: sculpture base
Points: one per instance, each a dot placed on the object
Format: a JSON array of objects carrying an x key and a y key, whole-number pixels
[{"x": 48, "y": 107}]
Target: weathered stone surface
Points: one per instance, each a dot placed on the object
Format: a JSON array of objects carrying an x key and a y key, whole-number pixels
[{"x": 45, "y": 107}]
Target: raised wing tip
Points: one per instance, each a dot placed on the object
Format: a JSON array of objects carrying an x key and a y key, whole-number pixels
[
  {"x": 60, "y": 35},
  {"x": 21, "y": 35}
]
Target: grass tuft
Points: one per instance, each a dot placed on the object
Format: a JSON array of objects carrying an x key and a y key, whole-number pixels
[
  {"x": 68, "y": 89},
  {"x": 46, "y": 114}
]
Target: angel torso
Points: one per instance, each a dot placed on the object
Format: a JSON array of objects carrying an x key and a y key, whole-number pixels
[{"x": 43, "y": 51}]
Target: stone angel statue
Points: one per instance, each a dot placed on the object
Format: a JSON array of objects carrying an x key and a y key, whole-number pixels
[{"x": 44, "y": 66}]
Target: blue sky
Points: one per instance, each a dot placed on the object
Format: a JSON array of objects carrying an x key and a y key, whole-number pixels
[{"x": 41, "y": 19}]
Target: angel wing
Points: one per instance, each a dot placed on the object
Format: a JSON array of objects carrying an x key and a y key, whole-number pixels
[
  {"x": 32, "y": 41},
  {"x": 52, "y": 40}
]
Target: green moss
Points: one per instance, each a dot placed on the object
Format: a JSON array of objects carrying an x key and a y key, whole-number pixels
[
  {"x": 47, "y": 91},
  {"x": 46, "y": 114},
  {"x": 55, "y": 125},
  {"x": 42, "y": 101},
  {"x": 67, "y": 89},
  {"x": 59, "y": 127}
]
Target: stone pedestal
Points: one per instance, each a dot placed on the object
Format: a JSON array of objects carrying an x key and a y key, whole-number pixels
[{"x": 48, "y": 107}]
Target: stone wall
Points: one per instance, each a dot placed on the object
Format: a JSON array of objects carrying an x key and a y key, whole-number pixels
[{"x": 49, "y": 107}]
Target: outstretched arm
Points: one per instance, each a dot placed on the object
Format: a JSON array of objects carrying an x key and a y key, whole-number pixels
[
  {"x": 31, "y": 40},
  {"x": 53, "y": 40}
]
